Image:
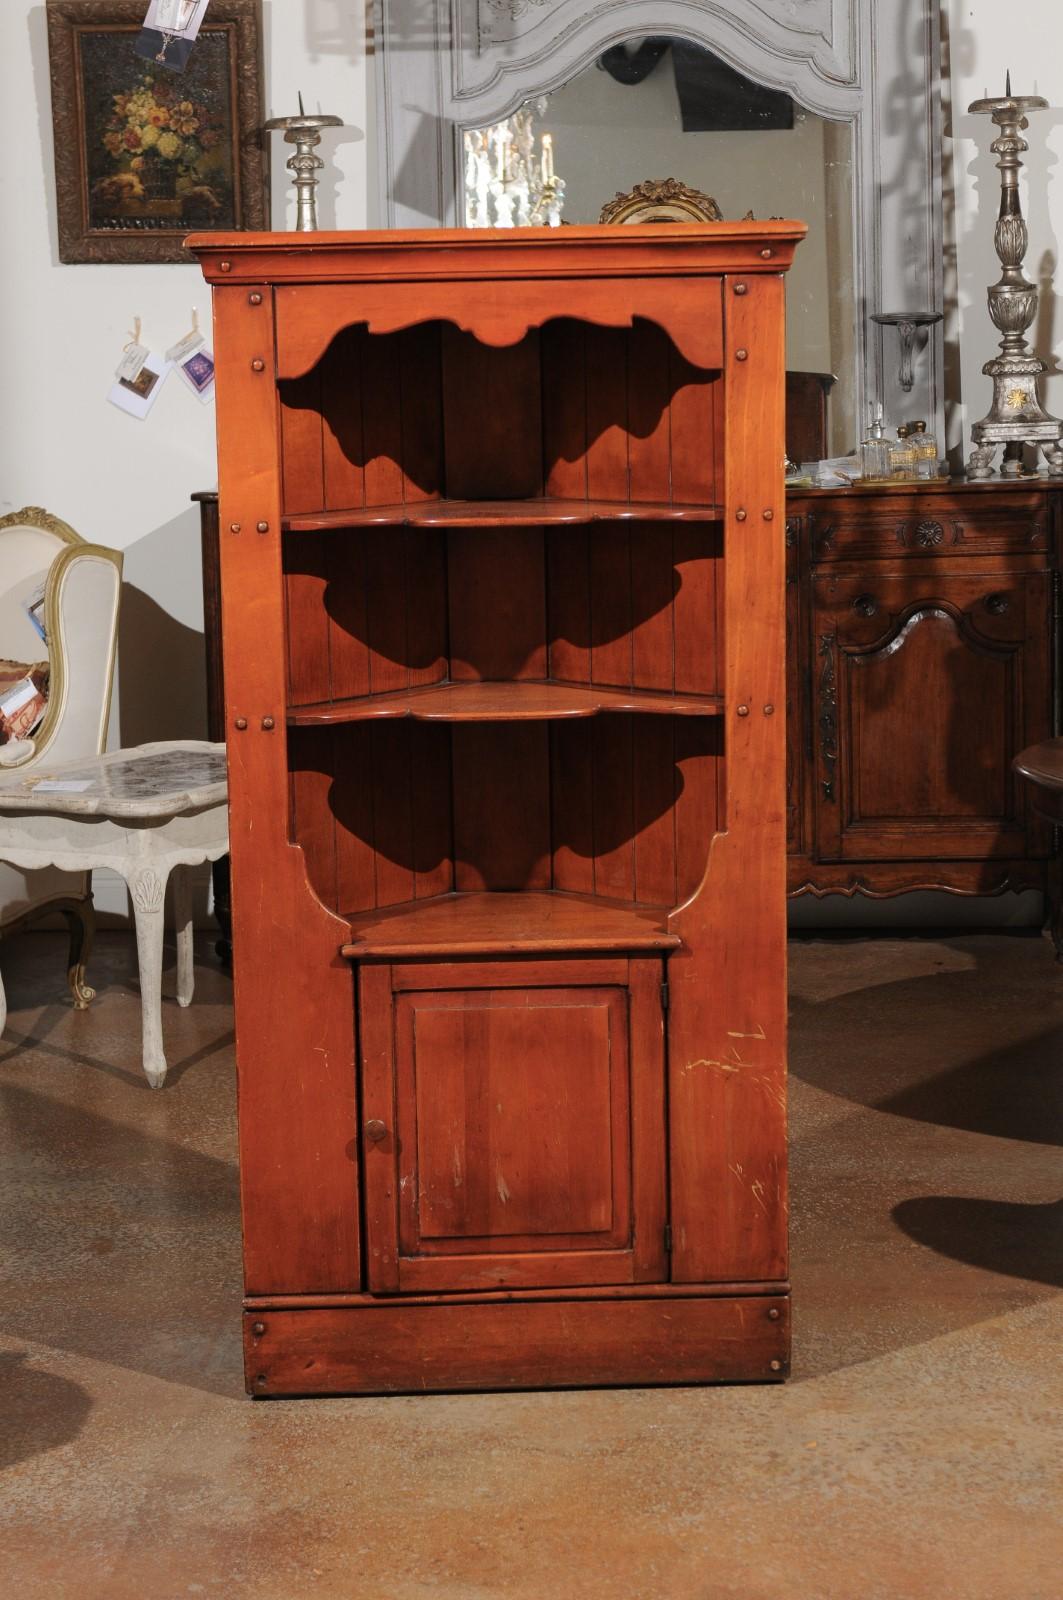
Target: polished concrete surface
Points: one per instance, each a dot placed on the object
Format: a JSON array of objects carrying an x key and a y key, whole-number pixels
[{"x": 917, "y": 1451}]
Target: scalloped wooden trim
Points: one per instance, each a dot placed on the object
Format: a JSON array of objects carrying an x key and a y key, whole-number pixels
[{"x": 693, "y": 323}]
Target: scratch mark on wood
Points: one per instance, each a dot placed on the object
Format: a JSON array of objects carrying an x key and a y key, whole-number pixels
[{"x": 733, "y": 1033}]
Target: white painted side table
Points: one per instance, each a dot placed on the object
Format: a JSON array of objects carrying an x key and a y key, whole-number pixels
[{"x": 143, "y": 812}]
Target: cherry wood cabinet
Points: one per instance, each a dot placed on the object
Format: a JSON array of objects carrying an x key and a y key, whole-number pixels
[
  {"x": 502, "y": 551},
  {"x": 922, "y": 636}
]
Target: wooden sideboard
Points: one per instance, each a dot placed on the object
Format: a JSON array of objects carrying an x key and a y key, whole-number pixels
[{"x": 922, "y": 640}]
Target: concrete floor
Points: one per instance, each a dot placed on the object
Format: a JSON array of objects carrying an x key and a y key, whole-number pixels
[{"x": 917, "y": 1451}]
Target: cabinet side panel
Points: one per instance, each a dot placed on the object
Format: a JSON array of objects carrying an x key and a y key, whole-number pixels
[
  {"x": 492, "y": 414},
  {"x": 301, "y": 444},
  {"x": 607, "y": 413},
  {"x": 293, "y": 992},
  {"x": 501, "y": 805},
  {"x": 649, "y": 420},
  {"x": 696, "y": 433},
  {"x": 306, "y": 577},
  {"x": 727, "y": 1034},
  {"x": 564, "y": 390},
  {"x": 342, "y": 401}
]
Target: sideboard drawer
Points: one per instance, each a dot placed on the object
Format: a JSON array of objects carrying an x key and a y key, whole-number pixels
[{"x": 875, "y": 527}]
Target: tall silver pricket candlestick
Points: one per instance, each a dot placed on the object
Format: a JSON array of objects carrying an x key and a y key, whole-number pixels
[
  {"x": 305, "y": 133},
  {"x": 1016, "y": 416}
]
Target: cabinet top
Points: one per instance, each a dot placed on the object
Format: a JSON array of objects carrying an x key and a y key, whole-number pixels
[{"x": 446, "y": 253}]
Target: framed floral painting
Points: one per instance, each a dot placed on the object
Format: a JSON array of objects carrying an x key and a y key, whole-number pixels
[{"x": 143, "y": 154}]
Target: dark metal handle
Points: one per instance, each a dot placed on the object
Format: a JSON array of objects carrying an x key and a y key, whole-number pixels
[
  {"x": 375, "y": 1130},
  {"x": 865, "y": 605},
  {"x": 997, "y": 604}
]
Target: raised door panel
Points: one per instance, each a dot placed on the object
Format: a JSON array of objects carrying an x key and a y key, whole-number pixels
[
  {"x": 926, "y": 687},
  {"x": 524, "y": 1146}
]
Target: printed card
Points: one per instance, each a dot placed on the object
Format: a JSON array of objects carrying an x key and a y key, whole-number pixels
[
  {"x": 138, "y": 395},
  {"x": 198, "y": 372},
  {"x": 169, "y": 32}
]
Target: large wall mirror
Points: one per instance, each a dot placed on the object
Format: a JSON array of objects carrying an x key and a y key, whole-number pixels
[
  {"x": 662, "y": 107},
  {"x": 825, "y": 110}
]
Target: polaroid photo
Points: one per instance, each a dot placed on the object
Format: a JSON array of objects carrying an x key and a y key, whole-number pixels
[
  {"x": 138, "y": 395},
  {"x": 197, "y": 369}
]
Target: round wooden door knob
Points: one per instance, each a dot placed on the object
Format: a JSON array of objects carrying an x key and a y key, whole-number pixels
[{"x": 375, "y": 1130}]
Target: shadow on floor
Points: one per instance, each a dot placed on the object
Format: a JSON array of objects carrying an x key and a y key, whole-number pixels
[
  {"x": 882, "y": 1047},
  {"x": 1018, "y": 1241},
  {"x": 41, "y": 1410},
  {"x": 125, "y": 1243}
]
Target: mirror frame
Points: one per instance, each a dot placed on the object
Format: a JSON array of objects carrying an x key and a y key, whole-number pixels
[{"x": 449, "y": 65}]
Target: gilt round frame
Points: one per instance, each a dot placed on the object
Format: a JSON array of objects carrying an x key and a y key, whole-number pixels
[{"x": 662, "y": 200}]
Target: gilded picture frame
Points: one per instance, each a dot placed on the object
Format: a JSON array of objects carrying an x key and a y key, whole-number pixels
[
  {"x": 662, "y": 200},
  {"x": 145, "y": 155}
]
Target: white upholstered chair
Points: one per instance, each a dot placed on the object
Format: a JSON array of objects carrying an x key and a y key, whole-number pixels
[{"x": 82, "y": 584}]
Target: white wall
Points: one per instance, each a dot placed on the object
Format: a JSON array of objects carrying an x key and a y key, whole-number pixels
[
  {"x": 116, "y": 480},
  {"x": 982, "y": 39}
]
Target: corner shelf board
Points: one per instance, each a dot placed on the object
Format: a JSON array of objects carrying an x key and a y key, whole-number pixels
[
  {"x": 531, "y": 513},
  {"x": 521, "y": 701},
  {"x": 480, "y": 924}
]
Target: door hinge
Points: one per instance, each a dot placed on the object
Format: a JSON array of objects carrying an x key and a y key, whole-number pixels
[
  {"x": 668, "y": 1238},
  {"x": 664, "y": 997}
]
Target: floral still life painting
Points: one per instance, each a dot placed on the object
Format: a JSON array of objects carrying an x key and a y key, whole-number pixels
[
  {"x": 152, "y": 154},
  {"x": 162, "y": 148}
]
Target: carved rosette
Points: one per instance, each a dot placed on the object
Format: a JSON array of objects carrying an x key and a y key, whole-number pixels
[{"x": 929, "y": 533}]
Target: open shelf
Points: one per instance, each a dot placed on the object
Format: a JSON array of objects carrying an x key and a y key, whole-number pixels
[
  {"x": 498, "y": 924},
  {"x": 498, "y": 514},
  {"x": 520, "y": 701}
]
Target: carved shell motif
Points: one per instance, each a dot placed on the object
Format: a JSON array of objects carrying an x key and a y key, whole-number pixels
[{"x": 148, "y": 891}]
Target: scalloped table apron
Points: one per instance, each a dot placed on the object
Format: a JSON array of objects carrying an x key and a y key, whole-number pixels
[{"x": 146, "y": 812}]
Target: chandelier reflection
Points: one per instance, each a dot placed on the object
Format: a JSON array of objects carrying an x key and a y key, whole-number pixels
[{"x": 510, "y": 180}]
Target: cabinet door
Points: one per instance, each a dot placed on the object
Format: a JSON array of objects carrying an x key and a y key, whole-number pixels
[
  {"x": 513, "y": 1125},
  {"x": 926, "y": 686}
]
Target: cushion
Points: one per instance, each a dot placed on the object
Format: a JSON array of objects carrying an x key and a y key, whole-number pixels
[{"x": 23, "y": 697}]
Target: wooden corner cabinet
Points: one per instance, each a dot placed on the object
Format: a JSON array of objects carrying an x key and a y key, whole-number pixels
[
  {"x": 502, "y": 551},
  {"x": 922, "y": 631}
]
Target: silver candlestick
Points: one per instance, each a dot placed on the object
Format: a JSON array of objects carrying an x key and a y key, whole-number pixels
[
  {"x": 304, "y": 131},
  {"x": 1016, "y": 417}
]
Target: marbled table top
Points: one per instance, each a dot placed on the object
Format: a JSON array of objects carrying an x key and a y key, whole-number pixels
[{"x": 149, "y": 780}]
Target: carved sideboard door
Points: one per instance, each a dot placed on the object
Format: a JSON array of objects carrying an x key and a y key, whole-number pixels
[{"x": 921, "y": 642}]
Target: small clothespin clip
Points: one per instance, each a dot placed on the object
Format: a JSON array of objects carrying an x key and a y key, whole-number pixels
[
  {"x": 191, "y": 341},
  {"x": 134, "y": 355},
  {"x": 193, "y": 360}
]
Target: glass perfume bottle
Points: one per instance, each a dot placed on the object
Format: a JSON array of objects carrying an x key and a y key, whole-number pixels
[
  {"x": 902, "y": 454},
  {"x": 875, "y": 450},
  {"x": 926, "y": 450}
]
